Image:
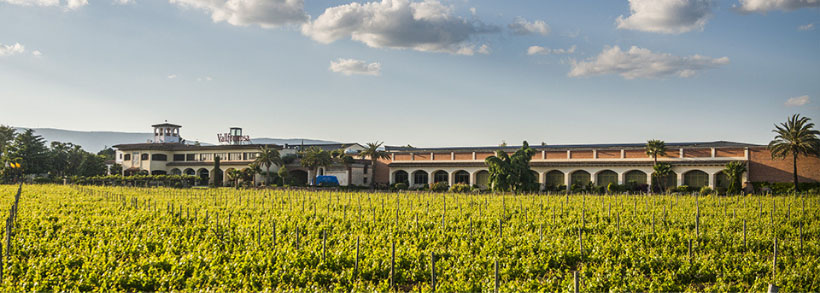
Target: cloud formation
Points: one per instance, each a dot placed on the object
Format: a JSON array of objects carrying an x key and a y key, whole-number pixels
[
  {"x": 666, "y": 16},
  {"x": 797, "y": 101},
  {"x": 538, "y": 50},
  {"x": 352, "y": 66},
  {"x": 66, "y": 4},
  {"x": 8, "y": 50},
  {"x": 763, "y": 6},
  {"x": 264, "y": 13},
  {"x": 806, "y": 27},
  {"x": 425, "y": 26},
  {"x": 172, "y": 76},
  {"x": 643, "y": 63},
  {"x": 523, "y": 27}
]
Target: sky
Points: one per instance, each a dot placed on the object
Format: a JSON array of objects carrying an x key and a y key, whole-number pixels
[{"x": 426, "y": 73}]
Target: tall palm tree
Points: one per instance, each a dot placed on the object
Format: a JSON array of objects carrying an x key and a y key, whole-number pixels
[
  {"x": 267, "y": 157},
  {"x": 313, "y": 158},
  {"x": 655, "y": 148},
  {"x": 734, "y": 170},
  {"x": 343, "y": 158},
  {"x": 372, "y": 150},
  {"x": 795, "y": 137}
]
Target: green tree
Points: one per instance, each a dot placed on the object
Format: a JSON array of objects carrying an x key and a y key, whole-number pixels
[
  {"x": 795, "y": 137},
  {"x": 267, "y": 157},
  {"x": 249, "y": 174},
  {"x": 7, "y": 135},
  {"x": 373, "y": 151},
  {"x": 233, "y": 176},
  {"x": 107, "y": 153},
  {"x": 655, "y": 148},
  {"x": 284, "y": 174},
  {"x": 661, "y": 171},
  {"x": 29, "y": 150},
  {"x": 734, "y": 170},
  {"x": 340, "y": 157},
  {"x": 217, "y": 173},
  {"x": 512, "y": 172},
  {"x": 313, "y": 158}
]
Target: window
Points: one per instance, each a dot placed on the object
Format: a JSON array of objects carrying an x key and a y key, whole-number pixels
[
  {"x": 190, "y": 157},
  {"x": 555, "y": 178},
  {"x": 696, "y": 179},
  {"x": 159, "y": 157},
  {"x": 179, "y": 157},
  {"x": 462, "y": 177},
  {"x": 580, "y": 178},
  {"x": 636, "y": 176},
  {"x": 364, "y": 180},
  {"x": 120, "y": 154},
  {"x": 144, "y": 157},
  {"x": 400, "y": 177},
  {"x": 127, "y": 157},
  {"x": 365, "y": 168},
  {"x": 206, "y": 157},
  {"x": 420, "y": 177},
  {"x": 250, "y": 156},
  {"x": 440, "y": 176},
  {"x": 234, "y": 156},
  {"x": 606, "y": 177}
]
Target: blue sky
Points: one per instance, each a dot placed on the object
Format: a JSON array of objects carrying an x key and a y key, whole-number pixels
[{"x": 425, "y": 73}]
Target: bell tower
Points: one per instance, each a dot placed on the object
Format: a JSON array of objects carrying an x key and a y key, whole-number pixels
[{"x": 166, "y": 133}]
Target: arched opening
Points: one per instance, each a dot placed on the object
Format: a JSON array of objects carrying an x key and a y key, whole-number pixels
[
  {"x": 440, "y": 176},
  {"x": 299, "y": 177},
  {"x": 401, "y": 177},
  {"x": 667, "y": 181},
  {"x": 462, "y": 177},
  {"x": 580, "y": 178},
  {"x": 420, "y": 178},
  {"x": 176, "y": 171},
  {"x": 696, "y": 179},
  {"x": 555, "y": 178},
  {"x": 482, "y": 179},
  {"x": 190, "y": 172},
  {"x": 217, "y": 176},
  {"x": 605, "y": 177},
  {"x": 721, "y": 180},
  {"x": 635, "y": 177},
  {"x": 204, "y": 176}
]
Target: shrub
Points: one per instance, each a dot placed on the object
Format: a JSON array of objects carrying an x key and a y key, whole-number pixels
[
  {"x": 612, "y": 188},
  {"x": 400, "y": 186},
  {"x": 460, "y": 188},
  {"x": 706, "y": 190},
  {"x": 682, "y": 189},
  {"x": 440, "y": 186}
]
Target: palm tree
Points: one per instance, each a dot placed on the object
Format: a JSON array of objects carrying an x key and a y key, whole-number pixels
[
  {"x": 795, "y": 137},
  {"x": 734, "y": 170},
  {"x": 267, "y": 157},
  {"x": 313, "y": 158},
  {"x": 252, "y": 170},
  {"x": 655, "y": 148},
  {"x": 661, "y": 172},
  {"x": 234, "y": 175},
  {"x": 372, "y": 150},
  {"x": 500, "y": 171}
]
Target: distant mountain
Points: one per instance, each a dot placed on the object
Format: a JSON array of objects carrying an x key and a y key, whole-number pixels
[
  {"x": 94, "y": 141},
  {"x": 290, "y": 141},
  {"x": 91, "y": 141}
]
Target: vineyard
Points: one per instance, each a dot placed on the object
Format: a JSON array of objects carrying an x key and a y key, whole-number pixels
[{"x": 158, "y": 239}]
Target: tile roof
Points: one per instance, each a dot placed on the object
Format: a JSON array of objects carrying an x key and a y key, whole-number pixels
[{"x": 713, "y": 144}]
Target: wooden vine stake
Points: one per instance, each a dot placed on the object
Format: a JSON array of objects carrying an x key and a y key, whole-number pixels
[
  {"x": 393, "y": 266},
  {"x": 433, "y": 271},
  {"x": 496, "y": 276},
  {"x": 575, "y": 281},
  {"x": 772, "y": 287}
]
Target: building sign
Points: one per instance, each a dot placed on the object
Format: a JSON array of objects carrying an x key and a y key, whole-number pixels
[{"x": 233, "y": 139}]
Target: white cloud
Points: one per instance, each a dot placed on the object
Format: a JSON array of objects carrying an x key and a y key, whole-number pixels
[
  {"x": 37, "y": 53},
  {"x": 523, "y": 27},
  {"x": 352, "y": 66},
  {"x": 67, "y": 4},
  {"x": 763, "y": 6},
  {"x": 666, "y": 16},
  {"x": 264, "y": 13},
  {"x": 806, "y": 27},
  {"x": 797, "y": 101},
  {"x": 472, "y": 10},
  {"x": 124, "y": 2},
  {"x": 8, "y": 50},
  {"x": 538, "y": 50},
  {"x": 643, "y": 63},
  {"x": 399, "y": 24},
  {"x": 207, "y": 78},
  {"x": 172, "y": 76}
]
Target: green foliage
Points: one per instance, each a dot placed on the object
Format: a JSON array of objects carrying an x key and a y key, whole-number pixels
[
  {"x": 460, "y": 188},
  {"x": 734, "y": 170},
  {"x": 284, "y": 174},
  {"x": 683, "y": 189},
  {"x": 660, "y": 172},
  {"x": 399, "y": 186},
  {"x": 795, "y": 137},
  {"x": 268, "y": 157},
  {"x": 104, "y": 239},
  {"x": 512, "y": 173},
  {"x": 706, "y": 190},
  {"x": 655, "y": 148},
  {"x": 374, "y": 151},
  {"x": 313, "y": 158},
  {"x": 440, "y": 186},
  {"x": 29, "y": 150}
]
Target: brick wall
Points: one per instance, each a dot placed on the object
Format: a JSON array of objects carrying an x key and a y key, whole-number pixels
[
  {"x": 721, "y": 152},
  {"x": 763, "y": 168},
  {"x": 580, "y": 155},
  {"x": 609, "y": 154},
  {"x": 464, "y": 156},
  {"x": 697, "y": 153},
  {"x": 556, "y": 155},
  {"x": 381, "y": 172}
]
